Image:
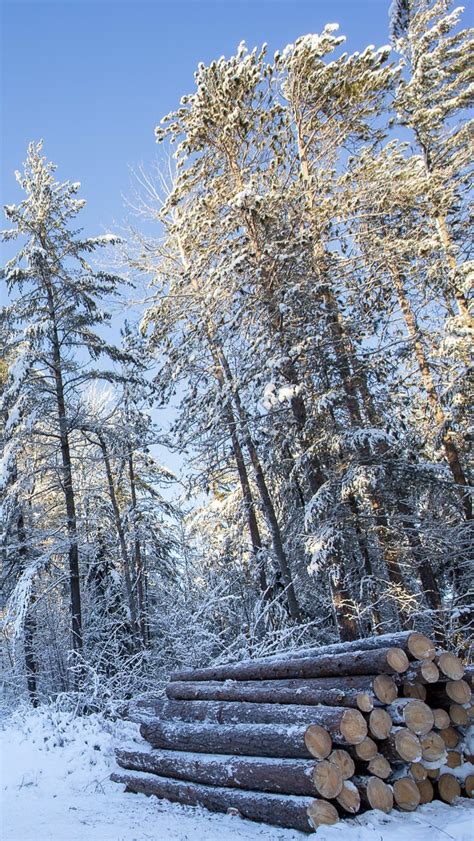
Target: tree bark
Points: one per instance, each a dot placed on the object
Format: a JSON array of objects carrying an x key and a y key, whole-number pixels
[
  {"x": 383, "y": 660},
  {"x": 280, "y": 776},
  {"x": 349, "y": 722},
  {"x": 339, "y": 692},
  {"x": 276, "y": 809}
]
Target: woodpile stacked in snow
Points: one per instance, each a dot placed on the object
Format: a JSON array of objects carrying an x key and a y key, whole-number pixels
[{"x": 303, "y": 739}]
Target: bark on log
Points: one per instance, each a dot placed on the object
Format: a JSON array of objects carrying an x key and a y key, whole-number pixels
[
  {"x": 349, "y": 722},
  {"x": 406, "y": 794},
  {"x": 276, "y": 809},
  {"x": 336, "y": 692},
  {"x": 253, "y": 773},
  {"x": 382, "y": 660},
  {"x": 453, "y": 691},
  {"x": 415, "y": 714},
  {"x": 417, "y": 645},
  {"x": 401, "y": 744},
  {"x": 257, "y": 739},
  {"x": 423, "y": 671},
  {"x": 239, "y": 739}
]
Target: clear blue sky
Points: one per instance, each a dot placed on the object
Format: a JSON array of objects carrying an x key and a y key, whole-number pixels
[{"x": 94, "y": 78}]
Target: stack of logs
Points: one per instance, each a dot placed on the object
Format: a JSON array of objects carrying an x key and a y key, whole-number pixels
[{"x": 302, "y": 739}]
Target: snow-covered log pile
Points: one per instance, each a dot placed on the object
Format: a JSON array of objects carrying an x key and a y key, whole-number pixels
[{"x": 302, "y": 739}]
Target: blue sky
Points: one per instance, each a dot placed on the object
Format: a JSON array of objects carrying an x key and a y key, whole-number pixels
[{"x": 94, "y": 78}]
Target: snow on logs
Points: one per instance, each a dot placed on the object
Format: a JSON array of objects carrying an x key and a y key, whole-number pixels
[
  {"x": 383, "y": 660},
  {"x": 303, "y": 739}
]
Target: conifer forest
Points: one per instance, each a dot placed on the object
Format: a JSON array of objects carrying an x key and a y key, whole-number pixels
[{"x": 242, "y": 424}]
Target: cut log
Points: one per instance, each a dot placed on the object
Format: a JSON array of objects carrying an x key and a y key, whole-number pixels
[
  {"x": 322, "y": 813},
  {"x": 450, "y": 665},
  {"x": 417, "y": 715},
  {"x": 401, "y": 744},
  {"x": 448, "y": 787},
  {"x": 414, "y": 690},
  {"x": 441, "y": 718},
  {"x": 349, "y": 722},
  {"x": 349, "y": 798},
  {"x": 276, "y": 809},
  {"x": 433, "y": 748},
  {"x": 342, "y": 691},
  {"x": 275, "y": 740},
  {"x": 380, "y": 723},
  {"x": 450, "y": 737},
  {"x": 385, "y": 688},
  {"x": 382, "y": 660},
  {"x": 433, "y": 772},
  {"x": 327, "y": 779},
  {"x": 423, "y": 671},
  {"x": 418, "y": 772},
  {"x": 344, "y": 762},
  {"x": 379, "y": 767},
  {"x": 417, "y": 645},
  {"x": 319, "y": 742},
  {"x": 280, "y": 776},
  {"x": 366, "y": 750},
  {"x": 454, "y": 759},
  {"x": 453, "y": 691},
  {"x": 458, "y": 715},
  {"x": 374, "y": 793},
  {"x": 469, "y": 785},
  {"x": 425, "y": 787},
  {"x": 406, "y": 794},
  {"x": 364, "y": 702}
]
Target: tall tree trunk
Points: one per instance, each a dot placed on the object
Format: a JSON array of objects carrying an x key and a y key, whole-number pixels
[
  {"x": 452, "y": 455},
  {"x": 31, "y": 666},
  {"x": 68, "y": 488},
  {"x": 267, "y": 503},
  {"x": 137, "y": 555},
  {"x": 120, "y": 532}
]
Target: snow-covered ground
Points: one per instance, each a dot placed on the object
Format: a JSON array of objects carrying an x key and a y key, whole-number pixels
[{"x": 55, "y": 787}]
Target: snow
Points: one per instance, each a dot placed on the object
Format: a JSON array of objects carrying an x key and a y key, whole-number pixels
[{"x": 55, "y": 787}]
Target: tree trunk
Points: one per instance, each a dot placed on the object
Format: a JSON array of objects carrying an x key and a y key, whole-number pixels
[
  {"x": 68, "y": 488},
  {"x": 383, "y": 660},
  {"x": 137, "y": 552},
  {"x": 450, "y": 448},
  {"x": 340, "y": 691},
  {"x": 349, "y": 722},
  {"x": 280, "y": 776},
  {"x": 275, "y": 809},
  {"x": 120, "y": 531}
]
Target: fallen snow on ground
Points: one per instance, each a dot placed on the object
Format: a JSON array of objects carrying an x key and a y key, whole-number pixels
[{"x": 55, "y": 787}]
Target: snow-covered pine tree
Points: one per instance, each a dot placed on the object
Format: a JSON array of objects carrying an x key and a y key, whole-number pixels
[{"x": 56, "y": 315}]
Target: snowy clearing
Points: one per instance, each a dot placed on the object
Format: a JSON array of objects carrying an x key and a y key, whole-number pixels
[{"x": 55, "y": 787}]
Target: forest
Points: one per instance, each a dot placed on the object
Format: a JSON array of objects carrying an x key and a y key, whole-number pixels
[{"x": 300, "y": 256}]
